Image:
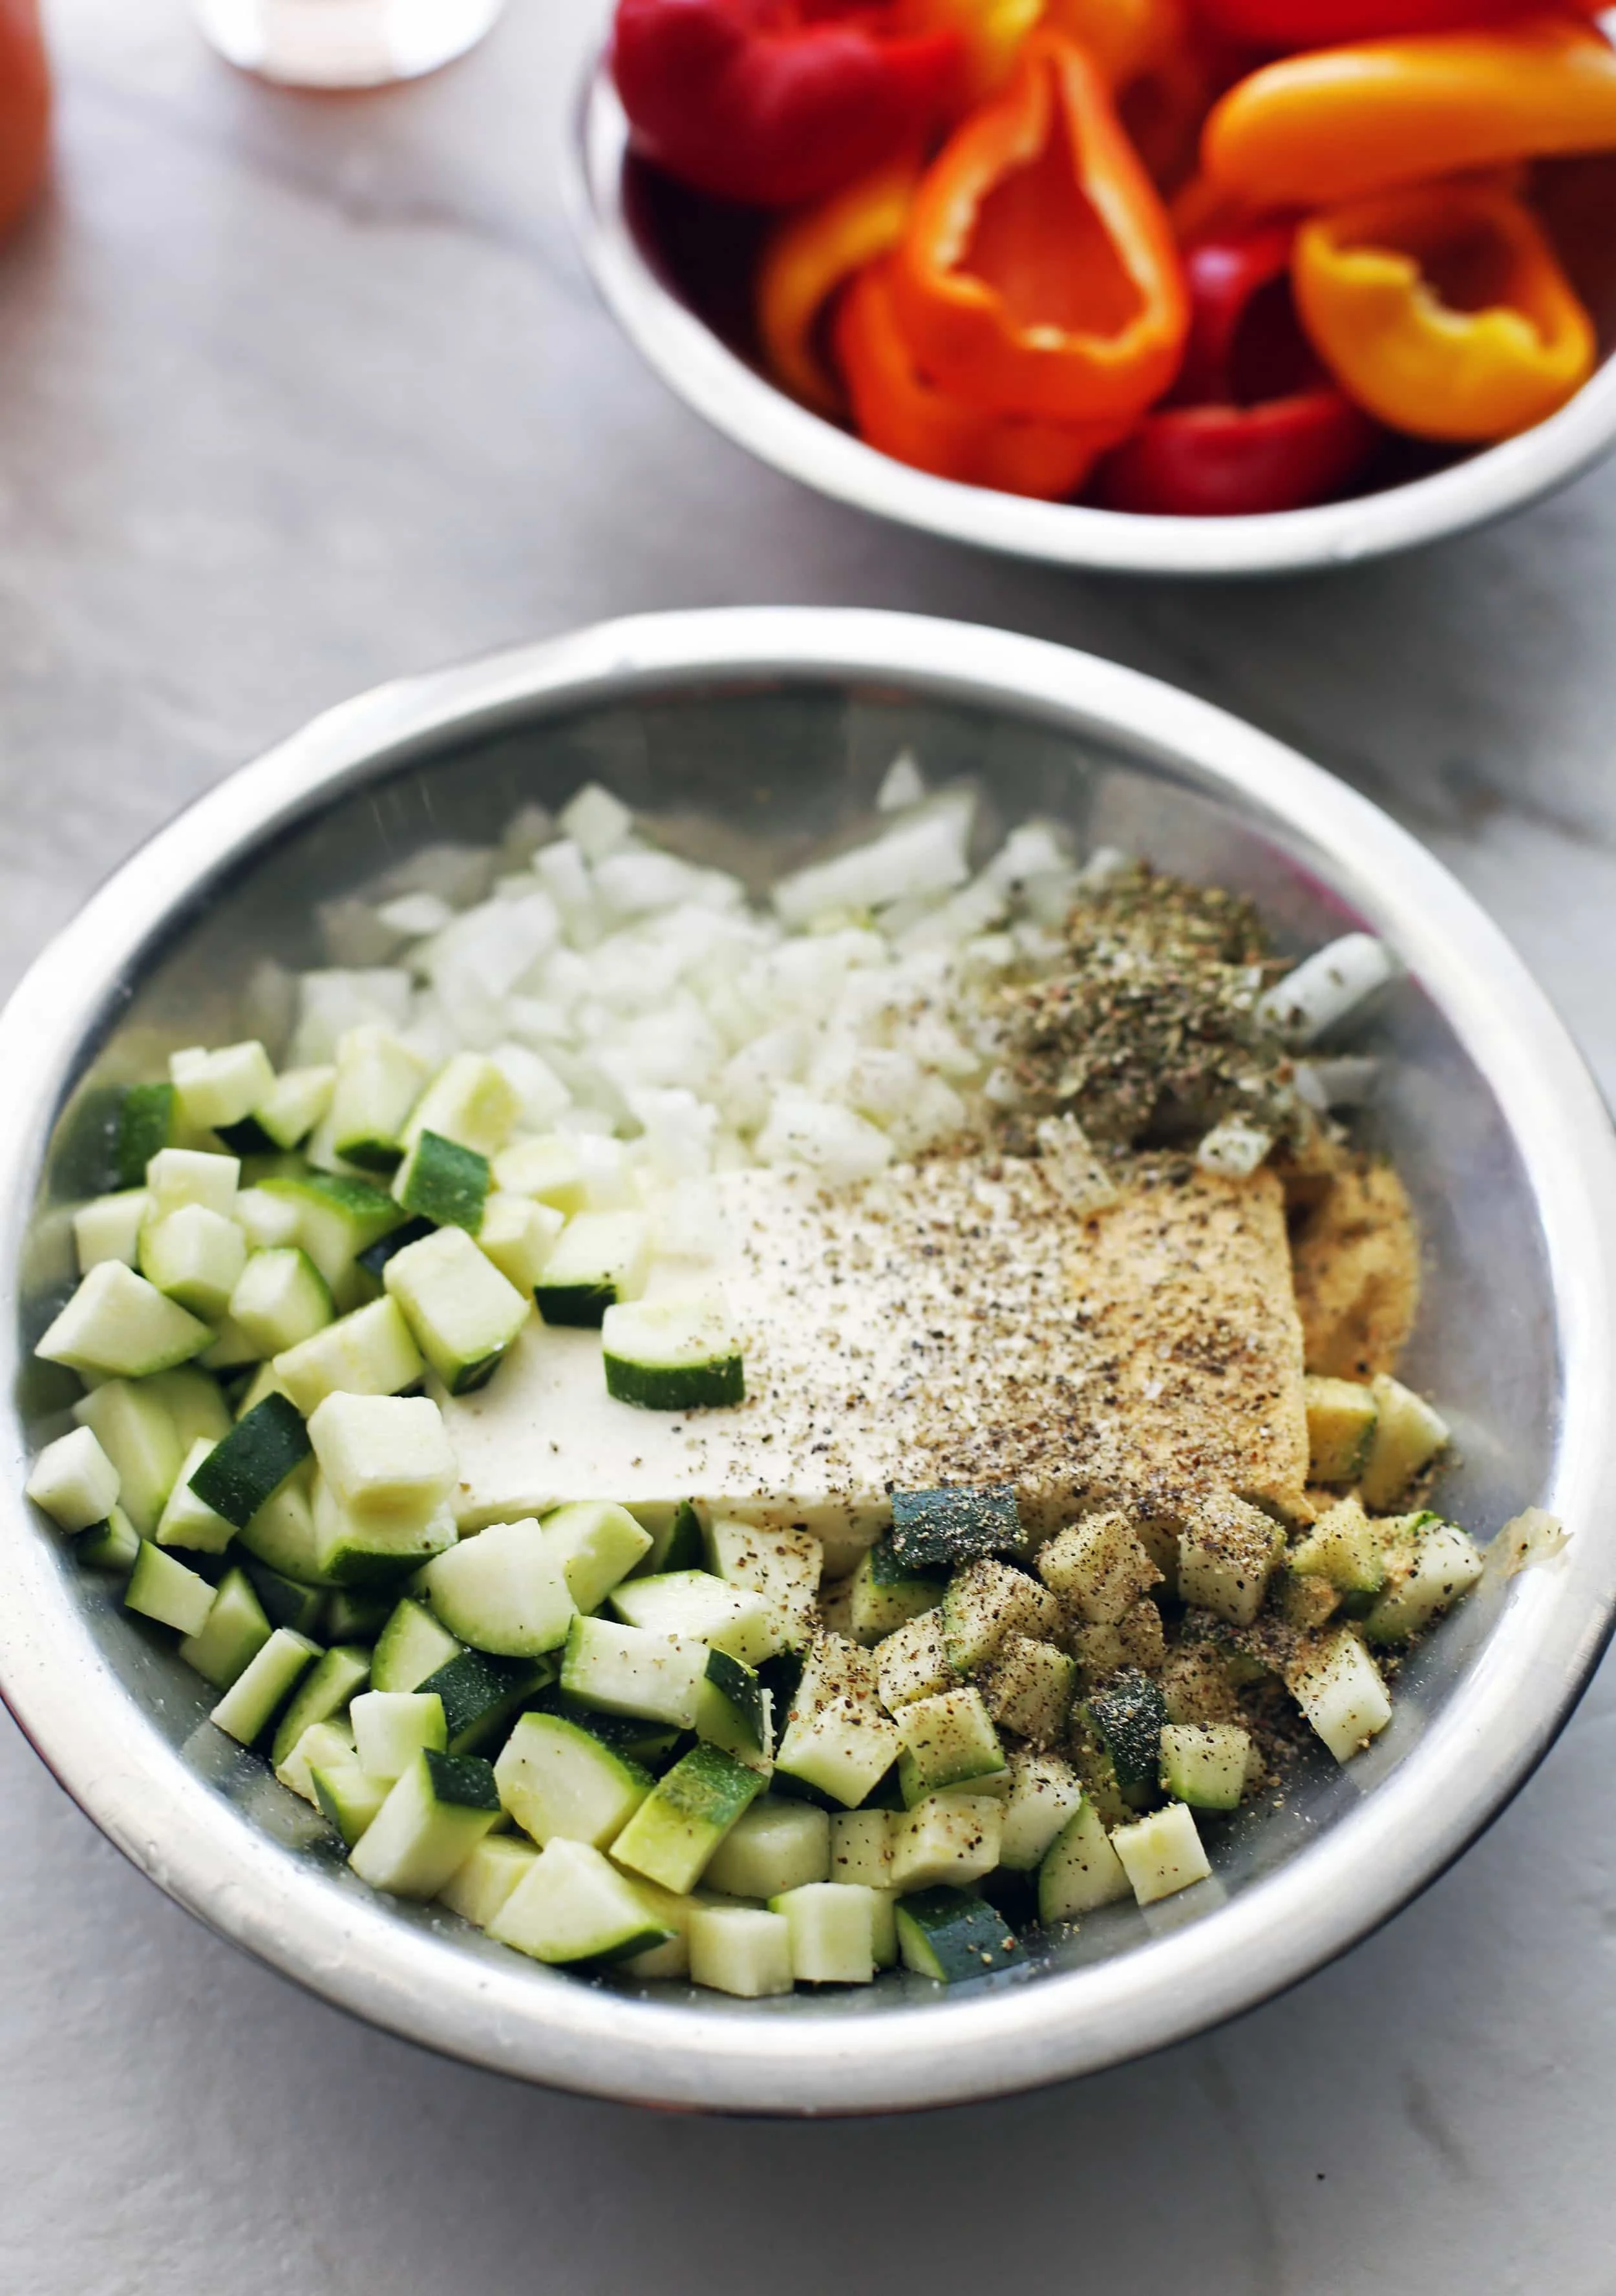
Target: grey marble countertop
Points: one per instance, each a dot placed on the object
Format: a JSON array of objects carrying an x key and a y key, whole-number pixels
[{"x": 299, "y": 394}]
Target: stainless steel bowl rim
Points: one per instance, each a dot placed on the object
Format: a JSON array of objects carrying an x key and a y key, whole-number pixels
[
  {"x": 737, "y": 400},
  {"x": 1484, "y": 1741}
]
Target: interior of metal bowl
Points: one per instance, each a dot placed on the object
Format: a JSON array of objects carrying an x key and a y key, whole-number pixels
[{"x": 755, "y": 764}]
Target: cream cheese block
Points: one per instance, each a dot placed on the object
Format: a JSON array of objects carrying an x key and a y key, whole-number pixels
[{"x": 958, "y": 1322}]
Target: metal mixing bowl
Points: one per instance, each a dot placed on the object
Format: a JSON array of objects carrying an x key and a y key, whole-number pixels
[
  {"x": 640, "y": 265},
  {"x": 749, "y": 734}
]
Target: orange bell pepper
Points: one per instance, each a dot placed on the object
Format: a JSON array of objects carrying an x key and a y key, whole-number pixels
[
  {"x": 990, "y": 32},
  {"x": 1344, "y": 123},
  {"x": 1444, "y": 311},
  {"x": 813, "y": 254},
  {"x": 898, "y": 411},
  {"x": 1037, "y": 274},
  {"x": 1124, "y": 37}
]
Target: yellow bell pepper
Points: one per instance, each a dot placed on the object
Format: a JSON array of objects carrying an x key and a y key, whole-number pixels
[
  {"x": 1344, "y": 123},
  {"x": 1443, "y": 310},
  {"x": 992, "y": 32},
  {"x": 814, "y": 253}
]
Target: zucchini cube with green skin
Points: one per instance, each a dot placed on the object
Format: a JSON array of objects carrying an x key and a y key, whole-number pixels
[
  {"x": 178, "y": 1176},
  {"x": 1137, "y": 1639},
  {"x": 1407, "y": 1435},
  {"x": 986, "y": 1603},
  {"x": 694, "y": 1603},
  {"x": 187, "y": 1519},
  {"x": 219, "y": 1088},
  {"x": 434, "y": 1817},
  {"x": 783, "y": 1566},
  {"x": 245, "y": 1470},
  {"x": 773, "y": 1847},
  {"x": 470, "y": 1103},
  {"x": 1162, "y": 1853},
  {"x": 194, "y": 1402},
  {"x": 109, "y": 1228},
  {"x": 503, "y": 1590},
  {"x": 269, "y": 1223},
  {"x": 110, "y": 1546},
  {"x": 676, "y": 1830},
  {"x": 384, "y": 1455},
  {"x": 378, "y": 1081},
  {"x": 648, "y": 1743},
  {"x": 1340, "y": 1428},
  {"x": 118, "y": 1325},
  {"x": 481, "y": 1695},
  {"x": 132, "y": 1422},
  {"x": 945, "y": 1529},
  {"x": 282, "y": 1535},
  {"x": 323, "y": 1745},
  {"x": 1226, "y": 1552},
  {"x": 288, "y": 1602},
  {"x": 549, "y": 1168},
  {"x": 741, "y": 1950},
  {"x": 945, "y": 1741},
  {"x": 279, "y": 1299},
  {"x": 1098, "y": 1567},
  {"x": 410, "y": 1646},
  {"x": 326, "y": 1691},
  {"x": 599, "y": 1260},
  {"x": 348, "y": 1798},
  {"x": 831, "y": 1928},
  {"x": 1344, "y": 1548},
  {"x": 950, "y": 1837},
  {"x": 264, "y": 1685},
  {"x": 370, "y": 1352},
  {"x": 677, "y": 1540},
  {"x": 1045, "y": 1792},
  {"x": 948, "y": 1936},
  {"x": 337, "y": 1217},
  {"x": 669, "y": 1354},
  {"x": 1080, "y": 1872},
  {"x": 442, "y": 1182},
  {"x": 1339, "y": 1688},
  {"x": 159, "y": 1587},
  {"x": 573, "y": 1909},
  {"x": 560, "y": 1781},
  {"x": 294, "y": 1104},
  {"x": 735, "y": 1711},
  {"x": 841, "y": 1748},
  {"x": 1306, "y": 1602},
  {"x": 1127, "y": 1716},
  {"x": 597, "y": 1545},
  {"x": 148, "y": 1122},
  {"x": 372, "y": 1550},
  {"x": 912, "y": 1662},
  {"x": 74, "y": 1481},
  {"x": 391, "y": 1727},
  {"x": 460, "y": 1309},
  {"x": 1205, "y": 1764},
  {"x": 195, "y": 1257},
  {"x": 861, "y": 1846},
  {"x": 477, "y": 1889},
  {"x": 886, "y": 1598},
  {"x": 626, "y": 1670},
  {"x": 1028, "y": 1688},
  {"x": 1423, "y": 1578},
  {"x": 518, "y": 1234}
]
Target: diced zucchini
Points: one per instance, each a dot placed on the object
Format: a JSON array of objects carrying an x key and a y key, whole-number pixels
[
  {"x": 1098, "y": 1567},
  {"x": 148, "y": 1122},
  {"x": 735, "y": 1711},
  {"x": 598, "y": 1260},
  {"x": 411, "y": 1645},
  {"x": 1423, "y": 1578},
  {"x": 669, "y": 1354},
  {"x": 1028, "y": 1688},
  {"x": 375, "y": 1256},
  {"x": 479, "y": 1888},
  {"x": 370, "y": 1352},
  {"x": 1340, "y": 1428},
  {"x": 518, "y": 1235},
  {"x": 110, "y": 1228},
  {"x": 178, "y": 1176},
  {"x": 378, "y": 1081},
  {"x": 435, "y": 1816},
  {"x": 1344, "y": 1548},
  {"x": 574, "y": 1908},
  {"x": 1226, "y": 1551},
  {"x": 262, "y": 1382},
  {"x": 1339, "y": 1688},
  {"x": 951, "y": 1837},
  {"x": 159, "y": 1587},
  {"x": 135, "y": 1428},
  {"x": 470, "y": 1103},
  {"x": 1081, "y": 1870},
  {"x": 503, "y": 1590},
  {"x": 677, "y": 1539},
  {"x": 944, "y": 1529},
  {"x": 648, "y": 1744},
  {"x": 269, "y": 1223},
  {"x": 442, "y": 1182},
  {"x": 322, "y": 1746},
  {"x": 677, "y": 1827},
  {"x": 110, "y": 1546},
  {"x": 244, "y": 1470},
  {"x": 1161, "y": 1853},
  {"x": 626, "y": 1670},
  {"x": 355, "y": 1614},
  {"x": 391, "y": 1727},
  {"x": 945, "y": 1741},
  {"x": 1407, "y": 1435},
  {"x": 338, "y": 1218},
  {"x": 348, "y": 1798},
  {"x": 1306, "y": 1603},
  {"x": 947, "y": 1935},
  {"x": 831, "y": 1928},
  {"x": 1205, "y": 1763},
  {"x": 460, "y": 1309},
  {"x": 219, "y": 1088},
  {"x": 194, "y": 1404},
  {"x": 914, "y": 1662},
  {"x": 118, "y": 1324},
  {"x": 1044, "y": 1794},
  {"x": 986, "y": 1603},
  {"x": 262, "y": 1688},
  {"x": 280, "y": 1300},
  {"x": 294, "y": 1104},
  {"x": 597, "y": 1545},
  {"x": 694, "y": 1604},
  {"x": 74, "y": 1481},
  {"x": 735, "y": 1949},
  {"x": 231, "y": 1350},
  {"x": 861, "y": 1846},
  {"x": 551, "y": 1168},
  {"x": 1127, "y": 1717},
  {"x": 287, "y": 1602},
  {"x": 384, "y": 1455},
  {"x": 282, "y": 1534},
  {"x": 773, "y": 1847},
  {"x": 354, "y": 1550},
  {"x": 885, "y": 1597},
  {"x": 325, "y": 1691},
  {"x": 559, "y": 1780},
  {"x": 843, "y": 1748},
  {"x": 187, "y": 1519}
]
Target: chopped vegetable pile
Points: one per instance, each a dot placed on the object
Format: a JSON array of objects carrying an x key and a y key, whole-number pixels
[
  {"x": 1178, "y": 258},
  {"x": 695, "y": 1737}
]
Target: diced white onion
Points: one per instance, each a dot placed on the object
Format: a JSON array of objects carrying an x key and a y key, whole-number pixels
[
  {"x": 1234, "y": 1150},
  {"x": 1327, "y": 985},
  {"x": 902, "y": 785},
  {"x": 923, "y": 853}
]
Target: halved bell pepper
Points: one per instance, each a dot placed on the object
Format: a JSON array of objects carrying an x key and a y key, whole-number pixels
[
  {"x": 899, "y": 411},
  {"x": 1037, "y": 274},
  {"x": 813, "y": 254},
  {"x": 1254, "y": 423},
  {"x": 991, "y": 33},
  {"x": 1444, "y": 311},
  {"x": 1286, "y": 25},
  {"x": 1343, "y": 123},
  {"x": 776, "y": 103}
]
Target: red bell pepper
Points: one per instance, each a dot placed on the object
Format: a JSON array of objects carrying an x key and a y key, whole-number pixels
[
  {"x": 776, "y": 103},
  {"x": 1253, "y": 422},
  {"x": 1287, "y": 24}
]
